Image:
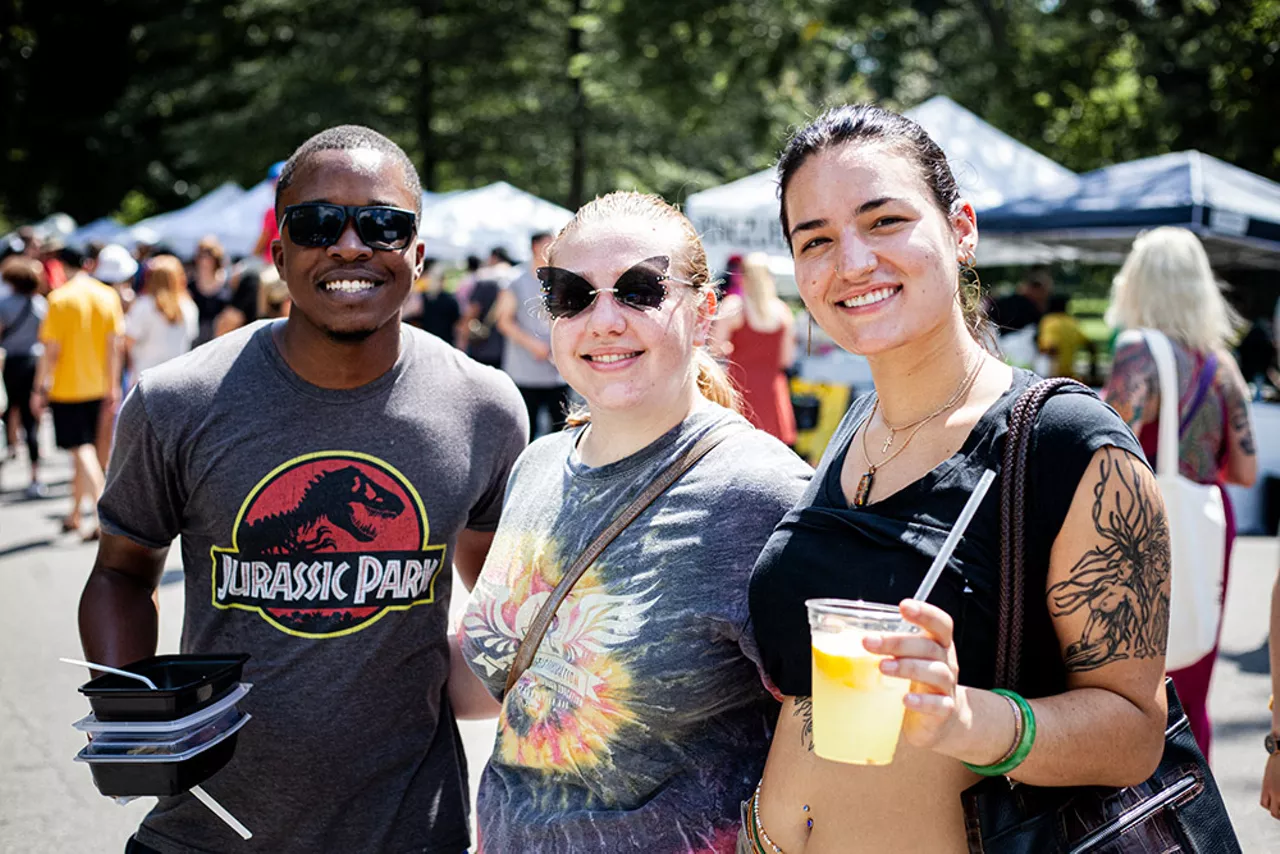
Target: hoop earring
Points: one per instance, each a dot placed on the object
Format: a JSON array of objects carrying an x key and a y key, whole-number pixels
[{"x": 969, "y": 274}]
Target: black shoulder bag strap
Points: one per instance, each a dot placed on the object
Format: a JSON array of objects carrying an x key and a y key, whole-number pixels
[
  {"x": 1178, "y": 809},
  {"x": 538, "y": 628}
]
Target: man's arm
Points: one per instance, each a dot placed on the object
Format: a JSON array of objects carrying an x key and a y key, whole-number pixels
[
  {"x": 504, "y": 317},
  {"x": 115, "y": 353},
  {"x": 119, "y": 614},
  {"x": 1271, "y": 774},
  {"x": 44, "y": 370},
  {"x": 469, "y": 554}
]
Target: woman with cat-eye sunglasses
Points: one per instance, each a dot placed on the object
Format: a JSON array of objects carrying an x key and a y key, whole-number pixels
[{"x": 638, "y": 721}]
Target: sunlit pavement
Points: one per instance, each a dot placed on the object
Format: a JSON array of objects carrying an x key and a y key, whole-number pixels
[{"x": 48, "y": 804}]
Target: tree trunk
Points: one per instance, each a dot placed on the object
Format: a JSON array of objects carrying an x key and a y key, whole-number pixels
[
  {"x": 577, "y": 120},
  {"x": 428, "y": 9}
]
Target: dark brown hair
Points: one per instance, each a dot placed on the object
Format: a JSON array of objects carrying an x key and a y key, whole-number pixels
[
  {"x": 868, "y": 123},
  {"x": 23, "y": 273}
]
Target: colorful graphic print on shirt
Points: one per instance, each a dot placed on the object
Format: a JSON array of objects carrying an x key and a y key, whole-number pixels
[
  {"x": 567, "y": 708},
  {"x": 326, "y": 545}
]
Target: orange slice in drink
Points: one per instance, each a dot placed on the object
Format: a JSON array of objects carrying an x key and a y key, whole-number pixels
[{"x": 860, "y": 672}]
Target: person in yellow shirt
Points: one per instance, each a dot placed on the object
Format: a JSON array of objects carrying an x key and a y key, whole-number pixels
[
  {"x": 79, "y": 372},
  {"x": 1061, "y": 338}
]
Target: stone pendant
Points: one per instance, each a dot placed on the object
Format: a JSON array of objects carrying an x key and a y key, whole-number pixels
[{"x": 863, "y": 494}]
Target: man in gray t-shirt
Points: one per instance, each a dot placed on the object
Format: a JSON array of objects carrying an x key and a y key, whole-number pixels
[
  {"x": 324, "y": 473},
  {"x": 526, "y": 356}
]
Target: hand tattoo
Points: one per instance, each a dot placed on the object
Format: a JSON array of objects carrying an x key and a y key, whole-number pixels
[
  {"x": 804, "y": 710},
  {"x": 1122, "y": 583}
]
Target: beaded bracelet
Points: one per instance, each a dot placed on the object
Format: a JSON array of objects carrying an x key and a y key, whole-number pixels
[{"x": 1024, "y": 738}]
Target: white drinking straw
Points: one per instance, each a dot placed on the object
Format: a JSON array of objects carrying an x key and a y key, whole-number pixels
[
  {"x": 953, "y": 539},
  {"x": 115, "y": 670},
  {"x": 221, "y": 812}
]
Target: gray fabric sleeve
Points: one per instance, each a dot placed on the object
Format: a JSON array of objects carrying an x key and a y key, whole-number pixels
[
  {"x": 142, "y": 499},
  {"x": 506, "y": 424}
]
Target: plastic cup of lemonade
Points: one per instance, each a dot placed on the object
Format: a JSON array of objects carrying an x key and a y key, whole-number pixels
[{"x": 857, "y": 710}]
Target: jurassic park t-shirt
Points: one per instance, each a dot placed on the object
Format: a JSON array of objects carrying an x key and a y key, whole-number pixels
[{"x": 317, "y": 532}]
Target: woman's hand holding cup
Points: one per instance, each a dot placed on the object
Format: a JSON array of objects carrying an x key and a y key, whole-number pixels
[{"x": 929, "y": 660}]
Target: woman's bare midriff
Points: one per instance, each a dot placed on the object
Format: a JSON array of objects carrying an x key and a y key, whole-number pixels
[{"x": 911, "y": 805}]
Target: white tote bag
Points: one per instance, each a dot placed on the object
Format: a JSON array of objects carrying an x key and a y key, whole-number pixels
[{"x": 1197, "y": 529}]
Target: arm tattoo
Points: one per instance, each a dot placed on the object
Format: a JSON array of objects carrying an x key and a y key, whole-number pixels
[
  {"x": 804, "y": 710},
  {"x": 1133, "y": 384},
  {"x": 1241, "y": 425},
  {"x": 1120, "y": 582}
]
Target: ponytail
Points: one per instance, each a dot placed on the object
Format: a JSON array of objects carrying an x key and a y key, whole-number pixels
[{"x": 714, "y": 382}]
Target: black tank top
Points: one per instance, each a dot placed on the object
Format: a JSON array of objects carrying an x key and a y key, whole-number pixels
[{"x": 881, "y": 552}]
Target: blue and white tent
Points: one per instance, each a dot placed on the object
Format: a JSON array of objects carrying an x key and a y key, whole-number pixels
[
  {"x": 990, "y": 166},
  {"x": 1235, "y": 212}
]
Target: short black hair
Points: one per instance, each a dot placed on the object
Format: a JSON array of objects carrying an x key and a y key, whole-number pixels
[
  {"x": 539, "y": 236},
  {"x": 72, "y": 257},
  {"x": 473, "y": 263},
  {"x": 349, "y": 138}
]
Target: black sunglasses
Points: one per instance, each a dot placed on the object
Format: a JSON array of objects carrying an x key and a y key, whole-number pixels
[
  {"x": 316, "y": 224},
  {"x": 565, "y": 293}
]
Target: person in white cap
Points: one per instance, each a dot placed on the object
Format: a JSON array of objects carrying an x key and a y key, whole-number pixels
[{"x": 79, "y": 371}]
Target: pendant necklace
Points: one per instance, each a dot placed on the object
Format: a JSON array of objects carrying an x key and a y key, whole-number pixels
[{"x": 862, "y": 496}]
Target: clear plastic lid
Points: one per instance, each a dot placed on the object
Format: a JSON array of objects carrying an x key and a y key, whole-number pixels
[
  {"x": 163, "y": 729},
  {"x": 177, "y": 749}
]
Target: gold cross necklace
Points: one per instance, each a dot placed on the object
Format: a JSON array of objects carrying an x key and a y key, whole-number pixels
[{"x": 862, "y": 496}]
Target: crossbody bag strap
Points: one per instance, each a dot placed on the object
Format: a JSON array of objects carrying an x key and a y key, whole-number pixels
[
  {"x": 538, "y": 628},
  {"x": 18, "y": 321},
  {"x": 1207, "y": 372},
  {"x": 1013, "y": 534}
]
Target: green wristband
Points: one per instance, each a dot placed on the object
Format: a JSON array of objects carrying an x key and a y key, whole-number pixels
[{"x": 1021, "y": 749}]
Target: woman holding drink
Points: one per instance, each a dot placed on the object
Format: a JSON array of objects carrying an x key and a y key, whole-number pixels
[
  {"x": 641, "y": 723},
  {"x": 882, "y": 245}
]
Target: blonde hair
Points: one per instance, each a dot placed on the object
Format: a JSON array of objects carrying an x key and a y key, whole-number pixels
[
  {"x": 688, "y": 261},
  {"x": 1166, "y": 284},
  {"x": 166, "y": 281}
]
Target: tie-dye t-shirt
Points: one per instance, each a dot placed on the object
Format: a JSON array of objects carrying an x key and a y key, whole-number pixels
[{"x": 643, "y": 722}]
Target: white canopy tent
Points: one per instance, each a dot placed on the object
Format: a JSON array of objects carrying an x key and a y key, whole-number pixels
[
  {"x": 473, "y": 222},
  {"x": 182, "y": 229},
  {"x": 990, "y": 167}
]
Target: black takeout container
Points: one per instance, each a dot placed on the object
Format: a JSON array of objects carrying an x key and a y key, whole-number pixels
[
  {"x": 185, "y": 684},
  {"x": 122, "y": 775}
]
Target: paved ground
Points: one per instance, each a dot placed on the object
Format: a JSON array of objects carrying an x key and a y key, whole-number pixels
[{"x": 48, "y": 804}]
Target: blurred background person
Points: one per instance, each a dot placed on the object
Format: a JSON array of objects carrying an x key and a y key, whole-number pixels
[
  {"x": 243, "y": 306},
  {"x": 1061, "y": 339},
  {"x": 212, "y": 291},
  {"x": 462, "y": 293},
  {"x": 270, "y": 225},
  {"x": 164, "y": 320},
  {"x": 1166, "y": 284},
  {"x": 78, "y": 374},
  {"x": 21, "y": 313},
  {"x": 1016, "y": 317},
  {"x": 117, "y": 269},
  {"x": 755, "y": 332},
  {"x": 273, "y": 295},
  {"x": 439, "y": 312},
  {"x": 1026, "y": 305},
  {"x": 526, "y": 354},
  {"x": 1271, "y": 773}
]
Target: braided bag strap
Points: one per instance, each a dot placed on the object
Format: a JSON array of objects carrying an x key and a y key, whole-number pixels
[{"x": 1013, "y": 515}]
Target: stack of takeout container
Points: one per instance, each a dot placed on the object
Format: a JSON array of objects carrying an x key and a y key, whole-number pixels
[{"x": 167, "y": 740}]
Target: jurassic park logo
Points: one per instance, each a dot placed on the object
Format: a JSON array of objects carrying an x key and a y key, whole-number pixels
[{"x": 326, "y": 545}]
